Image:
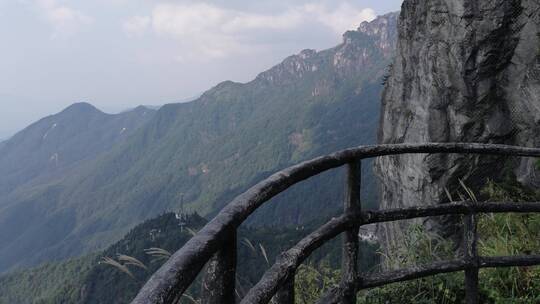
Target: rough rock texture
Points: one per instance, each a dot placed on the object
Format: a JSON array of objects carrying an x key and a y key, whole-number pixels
[{"x": 465, "y": 71}]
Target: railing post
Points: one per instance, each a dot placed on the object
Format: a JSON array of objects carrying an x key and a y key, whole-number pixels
[
  {"x": 218, "y": 284},
  {"x": 349, "y": 262},
  {"x": 285, "y": 294},
  {"x": 471, "y": 254}
]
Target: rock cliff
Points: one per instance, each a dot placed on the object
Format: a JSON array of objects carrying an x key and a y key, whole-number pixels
[{"x": 465, "y": 71}]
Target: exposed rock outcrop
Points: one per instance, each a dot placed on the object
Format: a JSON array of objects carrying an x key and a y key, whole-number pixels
[
  {"x": 465, "y": 71},
  {"x": 359, "y": 51}
]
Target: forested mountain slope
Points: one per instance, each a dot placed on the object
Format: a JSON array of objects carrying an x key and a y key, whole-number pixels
[
  {"x": 57, "y": 142},
  {"x": 88, "y": 280},
  {"x": 210, "y": 150},
  {"x": 36, "y": 160}
]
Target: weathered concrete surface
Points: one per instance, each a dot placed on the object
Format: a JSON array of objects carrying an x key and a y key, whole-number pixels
[{"x": 465, "y": 71}]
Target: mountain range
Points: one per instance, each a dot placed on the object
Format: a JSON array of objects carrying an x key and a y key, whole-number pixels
[{"x": 75, "y": 182}]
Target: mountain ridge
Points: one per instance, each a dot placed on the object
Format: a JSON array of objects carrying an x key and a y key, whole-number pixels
[
  {"x": 206, "y": 152},
  {"x": 58, "y": 141}
]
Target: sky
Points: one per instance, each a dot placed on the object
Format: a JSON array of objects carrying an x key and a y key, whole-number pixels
[{"x": 117, "y": 54}]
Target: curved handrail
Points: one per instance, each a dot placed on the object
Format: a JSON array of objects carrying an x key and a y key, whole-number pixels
[
  {"x": 175, "y": 276},
  {"x": 289, "y": 261}
]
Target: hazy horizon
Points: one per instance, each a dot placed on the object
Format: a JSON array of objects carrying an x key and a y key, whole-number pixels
[{"x": 117, "y": 54}]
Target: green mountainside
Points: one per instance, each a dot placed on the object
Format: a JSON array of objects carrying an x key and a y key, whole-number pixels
[
  {"x": 87, "y": 280},
  {"x": 51, "y": 146},
  {"x": 35, "y": 161},
  {"x": 210, "y": 150}
]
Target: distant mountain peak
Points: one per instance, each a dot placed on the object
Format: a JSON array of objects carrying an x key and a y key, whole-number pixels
[
  {"x": 293, "y": 67},
  {"x": 81, "y": 108},
  {"x": 142, "y": 110},
  {"x": 359, "y": 48},
  {"x": 379, "y": 24},
  {"x": 307, "y": 53},
  {"x": 383, "y": 29}
]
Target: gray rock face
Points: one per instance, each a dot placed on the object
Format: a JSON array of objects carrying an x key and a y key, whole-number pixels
[{"x": 465, "y": 71}]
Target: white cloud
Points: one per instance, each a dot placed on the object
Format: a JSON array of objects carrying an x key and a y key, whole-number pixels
[
  {"x": 205, "y": 29},
  {"x": 344, "y": 17},
  {"x": 240, "y": 21},
  {"x": 136, "y": 25},
  {"x": 65, "y": 20}
]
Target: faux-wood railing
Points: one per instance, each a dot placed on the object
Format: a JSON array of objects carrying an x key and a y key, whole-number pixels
[{"x": 215, "y": 243}]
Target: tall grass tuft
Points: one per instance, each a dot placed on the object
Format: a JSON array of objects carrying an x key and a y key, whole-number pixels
[
  {"x": 131, "y": 261},
  {"x": 123, "y": 268},
  {"x": 263, "y": 252},
  {"x": 249, "y": 244},
  {"x": 158, "y": 254}
]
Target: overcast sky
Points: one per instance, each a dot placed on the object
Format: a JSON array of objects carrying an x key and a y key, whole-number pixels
[{"x": 117, "y": 54}]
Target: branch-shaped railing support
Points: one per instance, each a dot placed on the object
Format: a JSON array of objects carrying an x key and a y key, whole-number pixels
[
  {"x": 285, "y": 295},
  {"x": 470, "y": 250},
  {"x": 439, "y": 267},
  {"x": 218, "y": 284},
  {"x": 349, "y": 263}
]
